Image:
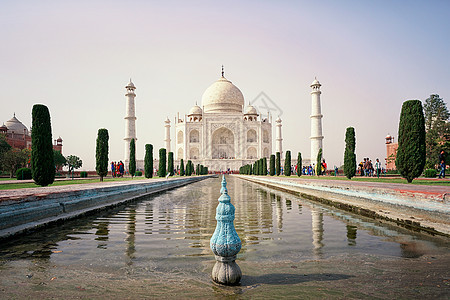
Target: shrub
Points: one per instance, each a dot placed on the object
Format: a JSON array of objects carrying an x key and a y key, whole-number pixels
[
  {"x": 42, "y": 159},
  {"x": 299, "y": 165},
  {"x": 264, "y": 166},
  {"x": 411, "y": 153},
  {"x": 23, "y": 173},
  {"x": 162, "y": 163},
  {"x": 132, "y": 164},
  {"x": 148, "y": 161},
  {"x": 272, "y": 165},
  {"x": 430, "y": 173},
  {"x": 319, "y": 163},
  {"x": 170, "y": 163},
  {"x": 287, "y": 164},
  {"x": 349, "y": 153},
  {"x": 101, "y": 153},
  {"x": 278, "y": 163},
  {"x": 182, "y": 167},
  {"x": 83, "y": 174},
  {"x": 138, "y": 173}
]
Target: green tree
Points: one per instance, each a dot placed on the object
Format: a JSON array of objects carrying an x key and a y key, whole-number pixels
[
  {"x": 191, "y": 167},
  {"x": 42, "y": 160},
  {"x": 349, "y": 153},
  {"x": 101, "y": 153},
  {"x": 264, "y": 166},
  {"x": 287, "y": 164},
  {"x": 182, "y": 167},
  {"x": 319, "y": 163},
  {"x": 73, "y": 162},
  {"x": 162, "y": 163},
  {"x": 278, "y": 163},
  {"x": 132, "y": 163},
  {"x": 4, "y": 147},
  {"x": 148, "y": 161},
  {"x": 59, "y": 159},
  {"x": 170, "y": 164},
  {"x": 436, "y": 126},
  {"x": 14, "y": 159},
  {"x": 272, "y": 165},
  {"x": 299, "y": 165},
  {"x": 411, "y": 152}
]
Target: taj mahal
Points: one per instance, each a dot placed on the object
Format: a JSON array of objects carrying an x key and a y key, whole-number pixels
[{"x": 223, "y": 133}]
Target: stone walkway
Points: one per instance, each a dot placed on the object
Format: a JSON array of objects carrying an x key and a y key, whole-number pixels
[{"x": 17, "y": 194}]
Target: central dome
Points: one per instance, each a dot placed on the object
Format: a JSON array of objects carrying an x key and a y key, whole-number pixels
[{"x": 222, "y": 96}]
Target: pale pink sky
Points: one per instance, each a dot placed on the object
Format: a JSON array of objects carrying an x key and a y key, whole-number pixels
[{"x": 77, "y": 56}]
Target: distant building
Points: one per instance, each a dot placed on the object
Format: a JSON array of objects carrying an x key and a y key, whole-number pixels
[
  {"x": 18, "y": 136},
  {"x": 391, "y": 152}
]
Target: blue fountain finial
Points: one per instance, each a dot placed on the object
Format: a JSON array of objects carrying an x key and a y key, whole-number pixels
[
  {"x": 225, "y": 242},
  {"x": 224, "y": 189}
]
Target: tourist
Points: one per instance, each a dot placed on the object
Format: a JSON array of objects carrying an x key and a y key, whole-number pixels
[
  {"x": 361, "y": 168},
  {"x": 121, "y": 168},
  {"x": 442, "y": 165},
  {"x": 378, "y": 167},
  {"x": 112, "y": 169},
  {"x": 324, "y": 167}
]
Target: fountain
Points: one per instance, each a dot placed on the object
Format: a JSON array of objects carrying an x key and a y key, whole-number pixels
[{"x": 225, "y": 242}]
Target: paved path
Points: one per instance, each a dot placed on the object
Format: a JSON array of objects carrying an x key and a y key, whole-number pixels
[{"x": 17, "y": 194}]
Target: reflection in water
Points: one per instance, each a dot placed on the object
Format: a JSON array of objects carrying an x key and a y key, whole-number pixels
[
  {"x": 171, "y": 231},
  {"x": 130, "y": 232},
  {"x": 351, "y": 235},
  {"x": 317, "y": 232}
]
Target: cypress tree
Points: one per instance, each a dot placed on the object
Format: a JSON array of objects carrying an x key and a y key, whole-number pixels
[
  {"x": 287, "y": 164},
  {"x": 189, "y": 168},
  {"x": 299, "y": 165},
  {"x": 278, "y": 164},
  {"x": 132, "y": 164},
  {"x": 272, "y": 165},
  {"x": 411, "y": 152},
  {"x": 42, "y": 159},
  {"x": 170, "y": 164},
  {"x": 260, "y": 167},
  {"x": 101, "y": 153},
  {"x": 264, "y": 166},
  {"x": 162, "y": 163},
  {"x": 349, "y": 154},
  {"x": 181, "y": 167},
  {"x": 148, "y": 161},
  {"x": 319, "y": 163}
]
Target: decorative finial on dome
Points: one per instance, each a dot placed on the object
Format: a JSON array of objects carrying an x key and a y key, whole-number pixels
[
  {"x": 14, "y": 114},
  {"x": 222, "y": 71}
]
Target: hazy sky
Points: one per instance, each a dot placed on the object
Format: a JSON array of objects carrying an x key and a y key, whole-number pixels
[{"x": 77, "y": 56}]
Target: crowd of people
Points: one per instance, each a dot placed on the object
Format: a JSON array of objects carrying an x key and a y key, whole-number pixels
[
  {"x": 367, "y": 168},
  {"x": 117, "y": 169}
]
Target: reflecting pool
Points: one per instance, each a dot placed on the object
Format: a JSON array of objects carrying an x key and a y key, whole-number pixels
[{"x": 167, "y": 236}]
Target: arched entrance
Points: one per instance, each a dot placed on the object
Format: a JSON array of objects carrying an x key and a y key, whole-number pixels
[{"x": 223, "y": 144}]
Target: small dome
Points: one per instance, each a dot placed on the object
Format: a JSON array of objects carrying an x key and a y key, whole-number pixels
[
  {"x": 15, "y": 125},
  {"x": 315, "y": 82},
  {"x": 250, "y": 110},
  {"x": 195, "y": 110},
  {"x": 221, "y": 97},
  {"x": 278, "y": 120},
  {"x": 167, "y": 120},
  {"x": 59, "y": 139}
]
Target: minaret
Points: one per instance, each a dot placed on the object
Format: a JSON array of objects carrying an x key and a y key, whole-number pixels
[
  {"x": 167, "y": 139},
  {"x": 130, "y": 119},
  {"x": 279, "y": 140},
  {"x": 316, "y": 120}
]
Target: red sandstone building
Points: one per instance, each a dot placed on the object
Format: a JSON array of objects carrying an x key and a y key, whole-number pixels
[
  {"x": 391, "y": 152},
  {"x": 18, "y": 136}
]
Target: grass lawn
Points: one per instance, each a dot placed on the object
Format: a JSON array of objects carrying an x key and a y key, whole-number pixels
[
  {"x": 24, "y": 185},
  {"x": 419, "y": 181}
]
